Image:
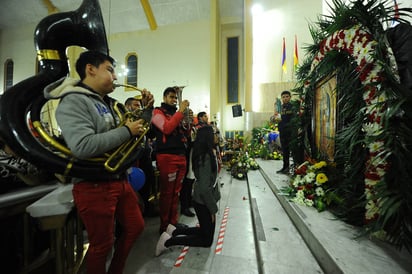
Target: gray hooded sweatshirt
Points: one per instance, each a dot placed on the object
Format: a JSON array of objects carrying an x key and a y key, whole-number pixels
[{"x": 87, "y": 122}]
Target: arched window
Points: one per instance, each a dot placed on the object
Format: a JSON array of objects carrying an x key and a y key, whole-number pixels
[
  {"x": 131, "y": 64},
  {"x": 8, "y": 74}
]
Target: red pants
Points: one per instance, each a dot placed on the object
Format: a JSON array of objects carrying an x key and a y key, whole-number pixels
[
  {"x": 172, "y": 169},
  {"x": 100, "y": 204}
]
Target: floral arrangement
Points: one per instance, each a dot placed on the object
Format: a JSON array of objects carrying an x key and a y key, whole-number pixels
[
  {"x": 263, "y": 143},
  {"x": 359, "y": 44},
  {"x": 276, "y": 155},
  {"x": 373, "y": 163},
  {"x": 310, "y": 185},
  {"x": 241, "y": 164}
]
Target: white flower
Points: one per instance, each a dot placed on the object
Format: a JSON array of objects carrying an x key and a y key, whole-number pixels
[
  {"x": 319, "y": 192},
  {"x": 368, "y": 194},
  {"x": 240, "y": 175},
  {"x": 381, "y": 171},
  {"x": 310, "y": 177},
  {"x": 299, "y": 198},
  {"x": 308, "y": 202},
  {"x": 357, "y": 47},
  {"x": 370, "y": 182},
  {"x": 295, "y": 183},
  {"x": 375, "y": 146},
  {"x": 351, "y": 33},
  {"x": 372, "y": 129},
  {"x": 300, "y": 194},
  {"x": 371, "y": 209}
]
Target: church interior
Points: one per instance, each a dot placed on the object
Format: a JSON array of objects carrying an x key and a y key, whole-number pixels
[{"x": 342, "y": 204}]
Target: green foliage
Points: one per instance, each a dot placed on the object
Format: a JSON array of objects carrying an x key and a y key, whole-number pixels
[{"x": 394, "y": 192}]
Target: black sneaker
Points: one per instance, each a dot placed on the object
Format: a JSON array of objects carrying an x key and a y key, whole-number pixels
[
  {"x": 180, "y": 225},
  {"x": 284, "y": 170}
]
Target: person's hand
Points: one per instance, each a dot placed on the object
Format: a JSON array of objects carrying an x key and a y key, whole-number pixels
[
  {"x": 183, "y": 105},
  {"x": 147, "y": 98},
  {"x": 136, "y": 127}
]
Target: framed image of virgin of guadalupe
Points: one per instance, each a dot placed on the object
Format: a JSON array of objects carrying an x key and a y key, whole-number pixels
[{"x": 324, "y": 117}]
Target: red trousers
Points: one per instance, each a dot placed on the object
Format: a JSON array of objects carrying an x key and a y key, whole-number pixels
[
  {"x": 172, "y": 169},
  {"x": 99, "y": 205}
]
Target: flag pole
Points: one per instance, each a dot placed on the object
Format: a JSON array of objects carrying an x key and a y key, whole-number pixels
[
  {"x": 284, "y": 69},
  {"x": 295, "y": 57}
]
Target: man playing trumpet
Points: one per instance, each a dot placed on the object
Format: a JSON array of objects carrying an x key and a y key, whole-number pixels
[
  {"x": 90, "y": 127},
  {"x": 170, "y": 146}
]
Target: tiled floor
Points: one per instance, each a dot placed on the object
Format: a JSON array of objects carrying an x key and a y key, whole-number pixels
[{"x": 261, "y": 235}]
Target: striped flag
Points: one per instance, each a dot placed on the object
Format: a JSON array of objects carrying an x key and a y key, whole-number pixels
[
  {"x": 284, "y": 56},
  {"x": 396, "y": 7},
  {"x": 295, "y": 55},
  {"x": 396, "y": 15}
]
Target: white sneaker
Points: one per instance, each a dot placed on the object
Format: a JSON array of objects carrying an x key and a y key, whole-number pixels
[
  {"x": 160, "y": 247},
  {"x": 170, "y": 228}
]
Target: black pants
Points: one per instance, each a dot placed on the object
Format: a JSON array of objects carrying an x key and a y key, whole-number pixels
[
  {"x": 186, "y": 194},
  {"x": 285, "y": 137},
  {"x": 201, "y": 236},
  {"x": 291, "y": 143},
  {"x": 145, "y": 163}
]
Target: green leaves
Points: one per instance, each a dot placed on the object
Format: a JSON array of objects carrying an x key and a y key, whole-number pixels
[{"x": 393, "y": 194}]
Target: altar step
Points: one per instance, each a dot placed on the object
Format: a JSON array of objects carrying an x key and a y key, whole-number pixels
[{"x": 337, "y": 246}]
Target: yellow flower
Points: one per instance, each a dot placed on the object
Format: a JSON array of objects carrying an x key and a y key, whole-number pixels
[
  {"x": 319, "y": 165},
  {"x": 321, "y": 178}
]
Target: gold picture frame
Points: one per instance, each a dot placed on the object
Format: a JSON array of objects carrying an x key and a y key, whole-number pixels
[{"x": 324, "y": 116}]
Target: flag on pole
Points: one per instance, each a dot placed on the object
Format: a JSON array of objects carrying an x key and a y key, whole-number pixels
[
  {"x": 396, "y": 9},
  {"x": 284, "y": 56},
  {"x": 396, "y": 15},
  {"x": 295, "y": 55}
]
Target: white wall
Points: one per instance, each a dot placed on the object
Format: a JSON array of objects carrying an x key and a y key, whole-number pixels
[
  {"x": 169, "y": 56},
  {"x": 18, "y": 44},
  {"x": 179, "y": 55},
  {"x": 278, "y": 20}
]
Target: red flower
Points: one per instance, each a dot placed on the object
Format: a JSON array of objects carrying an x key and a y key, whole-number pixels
[{"x": 301, "y": 170}]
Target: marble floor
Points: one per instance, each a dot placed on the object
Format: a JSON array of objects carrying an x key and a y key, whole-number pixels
[{"x": 259, "y": 231}]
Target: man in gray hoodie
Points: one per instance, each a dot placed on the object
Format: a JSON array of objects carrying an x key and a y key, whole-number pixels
[{"x": 90, "y": 127}]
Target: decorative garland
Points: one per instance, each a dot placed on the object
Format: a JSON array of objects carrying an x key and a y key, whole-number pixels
[{"x": 360, "y": 45}]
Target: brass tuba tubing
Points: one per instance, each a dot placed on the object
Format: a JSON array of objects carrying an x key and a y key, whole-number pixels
[{"x": 52, "y": 36}]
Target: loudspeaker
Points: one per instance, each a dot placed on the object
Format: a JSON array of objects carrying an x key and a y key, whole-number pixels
[{"x": 237, "y": 110}]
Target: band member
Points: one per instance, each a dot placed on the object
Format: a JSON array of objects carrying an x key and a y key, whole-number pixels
[
  {"x": 90, "y": 128},
  {"x": 170, "y": 154}
]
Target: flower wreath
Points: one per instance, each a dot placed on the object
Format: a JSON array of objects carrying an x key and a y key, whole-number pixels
[{"x": 359, "y": 44}]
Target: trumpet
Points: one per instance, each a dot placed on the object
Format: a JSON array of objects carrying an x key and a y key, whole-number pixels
[
  {"x": 116, "y": 159},
  {"x": 187, "y": 120},
  {"x": 116, "y": 85}
]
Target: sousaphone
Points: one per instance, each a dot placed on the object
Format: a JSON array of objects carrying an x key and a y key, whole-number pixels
[{"x": 83, "y": 27}]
